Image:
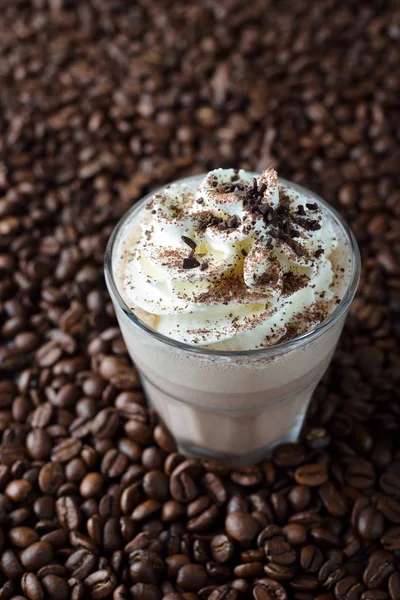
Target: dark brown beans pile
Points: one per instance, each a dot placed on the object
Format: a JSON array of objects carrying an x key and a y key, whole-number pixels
[{"x": 101, "y": 101}]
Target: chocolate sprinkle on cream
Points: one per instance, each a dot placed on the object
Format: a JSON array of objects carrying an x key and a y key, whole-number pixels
[
  {"x": 260, "y": 253},
  {"x": 192, "y": 244},
  {"x": 190, "y": 263}
]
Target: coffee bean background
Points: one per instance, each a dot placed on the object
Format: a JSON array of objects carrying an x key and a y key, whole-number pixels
[{"x": 101, "y": 101}]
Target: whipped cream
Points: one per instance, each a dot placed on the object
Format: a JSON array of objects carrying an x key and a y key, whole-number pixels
[{"x": 234, "y": 263}]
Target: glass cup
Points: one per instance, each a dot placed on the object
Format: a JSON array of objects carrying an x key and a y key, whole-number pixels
[{"x": 231, "y": 405}]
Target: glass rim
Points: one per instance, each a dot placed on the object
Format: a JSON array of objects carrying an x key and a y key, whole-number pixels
[{"x": 270, "y": 351}]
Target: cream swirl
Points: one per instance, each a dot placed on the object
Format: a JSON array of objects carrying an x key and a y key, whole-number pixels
[{"x": 235, "y": 263}]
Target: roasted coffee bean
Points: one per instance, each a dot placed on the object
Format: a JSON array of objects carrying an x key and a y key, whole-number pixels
[
  {"x": 145, "y": 510},
  {"x": 222, "y": 548},
  {"x": 242, "y": 527},
  {"x": 295, "y": 534},
  {"x": 215, "y": 488},
  {"x": 182, "y": 486},
  {"x": 304, "y": 583},
  {"x": 390, "y": 508},
  {"x": 299, "y": 497},
  {"x": 288, "y": 455},
  {"x": 348, "y": 588},
  {"x": 311, "y": 558},
  {"x": 114, "y": 464},
  {"x": 394, "y": 586},
  {"x": 334, "y": 501},
  {"x": 330, "y": 573},
  {"x": 377, "y": 572},
  {"x": 370, "y": 523},
  {"x": 101, "y": 584},
  {"x": 249, "y": 570},
  {"x": 56, "y": 587},
  {"x": 144, "y": 591},
  {"x": 18, "y": 490},
  {"x": 155, "y": 485},
  {"x": 36, "y": 555},
  {"x": 268, "y": 589},
  {"x": 68, "y": 512},
  {"x": 390, "y": 540},
  {"x": 145, "y": 566},
  {"x": 324, "y": 536},
  {"x": 224, "y": 593},
  {"x": 191, "y": 577},
  {"x": 360, "y": 474},
  {"x": 375, "y": 595},
  {"x": 311, "y": 475},
  {"x": 390, "y": 483},
  {"x": 91, "y": 485},
  {"x": 279, "y": 572},
  {"x": 32, "y": 587},
  {"x": 23, "y": 536},
  {"x": 51, "y": 477},
  {"x": 280, "y": 552}
]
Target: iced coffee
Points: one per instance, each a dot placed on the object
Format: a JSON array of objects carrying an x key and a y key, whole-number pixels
[{"x": 231, "y": 291}]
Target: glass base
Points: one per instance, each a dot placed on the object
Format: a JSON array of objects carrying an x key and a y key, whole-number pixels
[{"x": 232, "y": 460}]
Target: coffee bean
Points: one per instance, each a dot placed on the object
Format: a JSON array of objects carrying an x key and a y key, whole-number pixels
[
  {"x": 224, "y": 593},
  {"x": 91, "y": 485},
  {"x": 377, "y": 572},
  {"x": 145, "y": 510},
  {"x": 36, "y": 555},
  {"x": 295, "y": 534},
  {"x": 182, "y": 486},
  {"x": 390, "y": 508},
  {"x": 394, "y": 586},
  {"x": 311, "y": 558},
  {"x": 155, "y": 485},
  {"x": 348, "y": 588},
  {"x": 144, "y": 591},
  {"x": 31, "y": 586},
  {"x": 164, "y": 439},
  {"x": 390, "y": 483},
  {"x": 334, "y": 501},
  {"x": 374, "y": 595},
  {"x": 279, "y": 572},
  {"x": 80, "y": 564},
  {"x": 330, "y": 573},
  {"x": 114, "y": 464},
  {"x": 299, "y": 497},
  {"x": 38, "y": 444},
  {"x": 191, "y": 577},
  {"x": 18, "y": 490},
  {"x": 215, "y": 488},
  {"x": 311, "y": 475},
  {"x": 145, "y": 566},
  {"x": 51, "y": 477},
  {"x": 280, "y": 552},
  {"x": 390, "y": 540},
  {"x": 304, "y": 583},
  {"x": 56, "y": 587},
  {"x": 23, "y": 536},
  {"x": 222, "y": 548},
  {"x": 101, "y": 584},
  {"x": 242, "y": 527},
  {"x": 370, "y": 523},
  {"x": 105, "y": 423},
  {"x": 268, "y": 589},
  {"x": 68, "y": 512},
  {"x": 288, "y": 455},
  {"x": 324, "y": 536},
  {"x": 360, "y": 474}
]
